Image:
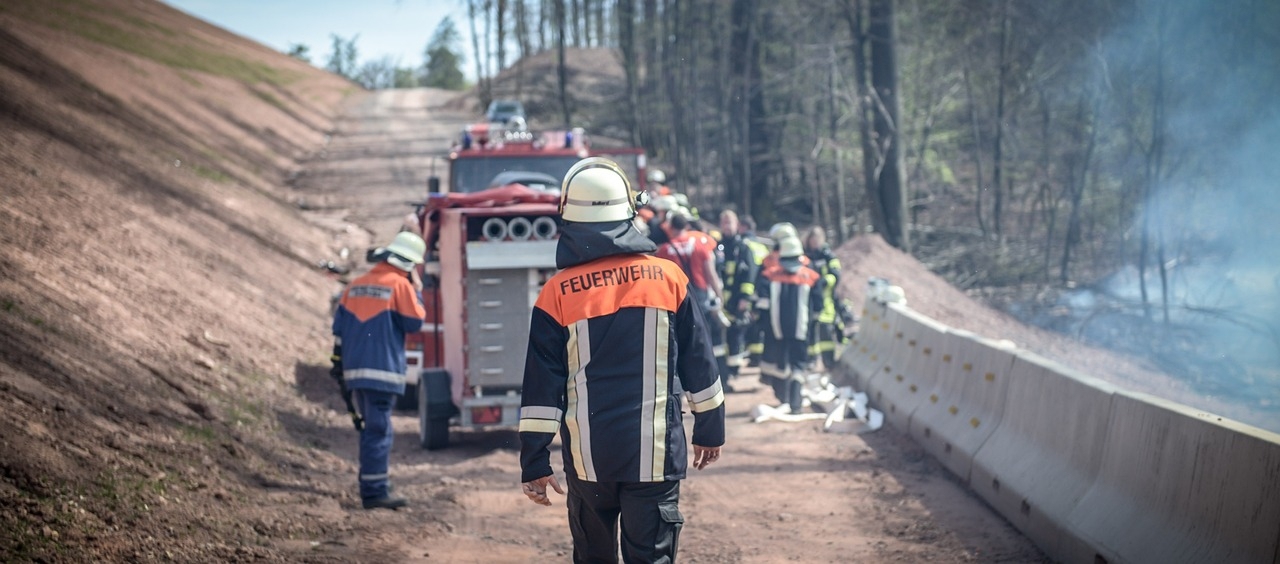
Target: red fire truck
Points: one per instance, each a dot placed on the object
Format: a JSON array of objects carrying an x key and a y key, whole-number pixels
[{"x": 491, "y": 242}]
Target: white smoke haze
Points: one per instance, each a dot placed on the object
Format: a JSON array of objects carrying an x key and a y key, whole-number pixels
[{"x": 1216, "y": 206}]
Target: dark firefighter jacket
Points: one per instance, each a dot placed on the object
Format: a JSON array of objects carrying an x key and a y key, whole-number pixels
[
  {"x": 742, "y": 258},
  {"x": 608, "y": 338},
  {"x": 828, "y": 267},
  {"x": 792, "y": 291}
]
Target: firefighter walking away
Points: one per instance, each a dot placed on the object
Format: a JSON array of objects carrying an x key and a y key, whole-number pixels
[{"x": 613, "y": 337}]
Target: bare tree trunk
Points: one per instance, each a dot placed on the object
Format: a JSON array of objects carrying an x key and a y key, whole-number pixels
[
  {"x": 500, "y": 18},
  {"x": 746, "y": 67},
  {"x": 545, "y": 17},
  {"x": 481, "y": 85},
  {"x": 522, "y": 29},
  {"x": 725, "y": 85},
  {"x": 522, "y": 39},
  {"x": 651, "y": 68},
  {"x": 871, "y": 157},
  {"x": 602, "y": 37},
  {"x": 674, "y": 66},
  {"x": 488, "y": 44},
  {"x": 1077, "y": 185},
  {"x": 561, "y": 71},
  {"x": 576, "y": 19},
  {"x": 977, "y": 149},
  {"x": 884, "y": 78},
  {"x": 627, "y": 44},
  {"x": 997, "y": 156},
  {"x": 1157, "y": 148}
]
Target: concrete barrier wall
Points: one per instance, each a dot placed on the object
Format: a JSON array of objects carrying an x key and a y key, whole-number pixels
[
  {"x": 912, "y": 367},
  {"x": 961, "y": 411},
  {"x": 1045, "y": 453},
  {"x": 1180, "y": 485},
  {"x": 867, "y": 351},
  {"x": 1089, "y": 472}
]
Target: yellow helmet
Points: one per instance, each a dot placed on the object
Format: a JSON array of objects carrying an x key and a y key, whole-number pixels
[
  {"x": 783, "y": 230},
  {"x": 596, "y": 190}
]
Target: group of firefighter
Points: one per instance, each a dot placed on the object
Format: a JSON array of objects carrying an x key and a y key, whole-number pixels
[{"x": 771, "y": 302}]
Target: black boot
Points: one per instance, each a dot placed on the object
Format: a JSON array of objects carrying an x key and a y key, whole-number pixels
[{"x": 385, "y": 502}]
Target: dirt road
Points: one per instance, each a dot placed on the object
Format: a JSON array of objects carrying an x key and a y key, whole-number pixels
[{"x": 783, "y": 491}]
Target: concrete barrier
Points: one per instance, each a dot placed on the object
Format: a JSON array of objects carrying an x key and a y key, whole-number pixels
[
  {"x": 1180, "y": 485},
  {"x": 870, "y": 347},
  {"x": 963, "y": 408},
  {"x": 912, "y": 367},
  {"x": 1090, "y": 473},
  {"x": 1046, "y": 452}
]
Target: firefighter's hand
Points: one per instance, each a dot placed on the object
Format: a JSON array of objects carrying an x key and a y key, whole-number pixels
[
  {"x": 415, "y": 280},
  {"x": 537, "y": 489},
  {"x": 335, "y": 371},
  {"x": 702, "y": 456}
]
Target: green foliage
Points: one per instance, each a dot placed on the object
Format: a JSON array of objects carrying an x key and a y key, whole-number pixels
[
  {"x": 342, "y": 56},
  {"x": 299, "y": 51},
  {"x": 443, "y": 67}
]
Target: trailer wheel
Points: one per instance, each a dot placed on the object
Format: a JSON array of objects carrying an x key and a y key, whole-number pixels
[{"x": 435, "y": 407}]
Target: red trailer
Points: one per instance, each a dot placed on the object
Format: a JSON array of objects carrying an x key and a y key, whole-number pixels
[{"x": 491, "y": 241}]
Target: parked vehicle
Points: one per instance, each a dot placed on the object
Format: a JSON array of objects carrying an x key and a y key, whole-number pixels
[
  {"x": 505, "y": 111},
  {"x": 491, "y": 244}
]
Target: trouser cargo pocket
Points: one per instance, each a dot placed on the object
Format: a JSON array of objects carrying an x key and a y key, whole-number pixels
[{"x": 669, "y": 529}]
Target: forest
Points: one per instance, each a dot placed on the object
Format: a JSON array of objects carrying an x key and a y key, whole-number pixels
[{"x": 1113, "y": 158}]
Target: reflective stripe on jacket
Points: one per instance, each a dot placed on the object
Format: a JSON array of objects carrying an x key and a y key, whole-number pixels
[
  {"x": 792, "y": 292},
  {"x": 828, "y": 266},
  {"x": 377, "y": 310},
  {"x": 608, "y": 340}
]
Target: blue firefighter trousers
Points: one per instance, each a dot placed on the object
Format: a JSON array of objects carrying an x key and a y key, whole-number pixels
[{"x": 375, "y": 441}]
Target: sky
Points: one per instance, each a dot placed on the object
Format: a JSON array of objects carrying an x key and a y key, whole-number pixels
[{"x": 398, "y": 28}]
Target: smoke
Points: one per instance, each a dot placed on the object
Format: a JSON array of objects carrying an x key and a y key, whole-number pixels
[{"x": 1191, "y": 88}]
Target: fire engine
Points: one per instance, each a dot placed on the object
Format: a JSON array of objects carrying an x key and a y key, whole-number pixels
[{"x": 491, "y": 244}]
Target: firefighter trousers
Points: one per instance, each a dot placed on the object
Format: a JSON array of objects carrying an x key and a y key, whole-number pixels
[
  {"x": 735, "y": 346},
  {"x": 648, "y": 511},
  {"x": 375, "y": 441}
]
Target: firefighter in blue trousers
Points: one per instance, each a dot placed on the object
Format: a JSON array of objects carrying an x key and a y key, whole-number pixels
[
  {"x": 375, "y": 313},
  {"x": 610, "y": 336}
]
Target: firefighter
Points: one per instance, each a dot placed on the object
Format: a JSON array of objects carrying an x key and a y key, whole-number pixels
[
  {"x": 827, "y": 331},
  {"x": 694, "y": 252},
  {"x": 741, "y": 264},
  {"x": 375, "y": 313},
  {"x": 761, "y": 329},
  {"x": 657, "y": 184},
  {"x": 793, "y": 293},
  {"x": 756, "y": 329},
  {"x": 610, "y": 336},
  {"x": 658, "y": 231}
]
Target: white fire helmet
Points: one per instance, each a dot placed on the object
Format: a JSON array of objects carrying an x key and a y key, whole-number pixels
[
  {"x": 406, "y": 250},
  {"x": 783, "y": 230},
  {"x": 895, "y": 295},
  {"x": 658, "y": 176},
  {"x": 596, "y": 190},
  {"x": 790, "y": 247}
]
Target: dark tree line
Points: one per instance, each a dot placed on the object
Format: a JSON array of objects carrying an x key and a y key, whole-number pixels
[{"x": 1007, "y": 142}]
